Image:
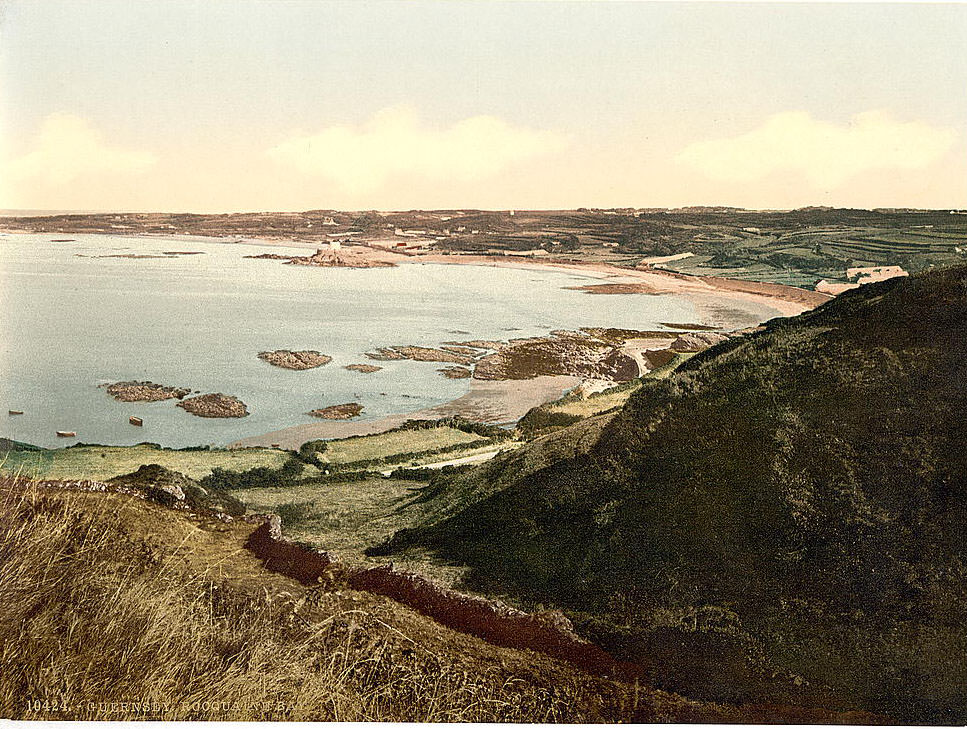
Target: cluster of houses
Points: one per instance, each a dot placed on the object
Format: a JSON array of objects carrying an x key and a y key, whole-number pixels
[{"x": 857, "y": 277}]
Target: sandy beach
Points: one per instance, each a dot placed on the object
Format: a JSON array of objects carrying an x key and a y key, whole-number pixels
[
  {"x": 785, "y": 300},
  {"x": 707, "y": 292},
  {"x": 504, "y": 401}
]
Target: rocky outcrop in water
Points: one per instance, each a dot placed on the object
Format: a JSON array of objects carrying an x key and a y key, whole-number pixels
[
  {"x": 290, "y": 360},
  {"x": 133, "y": 391},
  {"x": 566, "y": 353},
  {"x": 215, "y": 405},
  {"x": 345, "y": 411},
  {"x": 418, "y": 354},
  {"x": 365, "y": 368},
  {"x": 455, "y": 372}
]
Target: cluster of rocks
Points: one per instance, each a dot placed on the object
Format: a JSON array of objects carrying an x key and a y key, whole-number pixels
[
  {"x": 329, "y": 259},
  {"x": 455, "y": 372},
  {"x": 365, "y": 368},
  {"x": 421, "y": 354},
  {"x": 174, "y": 489},
  {"x": 301, "y": 360},
  {"x": 346, "y": 411},
  {"x": 565, "y": 353},
  {"x": 134, "y": 391},
  {"x": 215, "y": 405}
]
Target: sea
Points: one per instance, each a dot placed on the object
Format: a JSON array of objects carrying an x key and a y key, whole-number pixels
[{"x": 96, "y": 309}]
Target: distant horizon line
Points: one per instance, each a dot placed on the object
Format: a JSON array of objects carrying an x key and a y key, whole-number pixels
[{"x": 53, "y": 212}]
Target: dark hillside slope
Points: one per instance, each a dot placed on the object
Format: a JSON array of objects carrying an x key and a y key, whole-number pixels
[{"x": 787, "y": 510}]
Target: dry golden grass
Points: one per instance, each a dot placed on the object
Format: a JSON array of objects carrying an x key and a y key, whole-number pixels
[{"x": 113, "y": 608}]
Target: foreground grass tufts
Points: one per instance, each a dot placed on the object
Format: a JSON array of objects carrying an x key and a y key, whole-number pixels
[{"x": 96, "y": 623}]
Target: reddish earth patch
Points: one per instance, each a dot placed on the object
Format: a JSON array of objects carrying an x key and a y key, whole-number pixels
[
  {"x": 495, "y": 622},
  {"x": 616, "y": 288}
]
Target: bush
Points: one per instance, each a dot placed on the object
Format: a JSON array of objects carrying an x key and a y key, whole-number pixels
[
  {"x": 310, "y": 450},
  {"x": 223, "y": 479},
  {"x": 295, "y": 512},
  {"x": 427, "y": 474},
  {"x": 541, "y": 419}
]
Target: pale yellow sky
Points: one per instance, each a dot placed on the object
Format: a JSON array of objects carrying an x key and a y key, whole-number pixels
[{"x": 209, "y": 106}]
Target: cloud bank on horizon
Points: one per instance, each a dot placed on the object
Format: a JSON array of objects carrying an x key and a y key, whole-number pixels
[
  {"x": 395, "y": 145},
  {"x": 373, "y": 105},
  {"x": 827, "y": 155},
  {"x": 363, "y": 164},
  {"x": 67, "y": 148}
]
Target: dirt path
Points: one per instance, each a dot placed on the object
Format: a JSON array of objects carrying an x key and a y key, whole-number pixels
[{"x": 474, "y": 458}]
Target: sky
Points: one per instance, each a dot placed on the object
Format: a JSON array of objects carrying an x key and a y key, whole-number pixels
[{"x": 239, "y": 105}]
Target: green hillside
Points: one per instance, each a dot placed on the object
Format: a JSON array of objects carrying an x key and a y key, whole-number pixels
[{"x": 783, "y": 518}]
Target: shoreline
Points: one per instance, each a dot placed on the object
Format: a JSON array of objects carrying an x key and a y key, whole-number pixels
[
  {"x": 785, "y": 300},
  {"x": 496, "y": 402},
  {"x": 506, "y": 401}
]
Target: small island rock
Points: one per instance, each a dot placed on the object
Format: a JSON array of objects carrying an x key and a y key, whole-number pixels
[
  {"x": 338, "y": 412},
  {"x": 215, "y": 405},
  {"x": 303, "y": 360}
]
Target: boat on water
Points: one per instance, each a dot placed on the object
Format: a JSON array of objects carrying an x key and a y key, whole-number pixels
[
  {"x": 15, "y": 412},
  {"x": 135, "y": 421},
  {"x": 66, "y": 434}
]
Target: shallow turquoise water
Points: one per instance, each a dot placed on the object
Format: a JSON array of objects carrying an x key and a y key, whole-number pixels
[{"x": 72, "y": 321}]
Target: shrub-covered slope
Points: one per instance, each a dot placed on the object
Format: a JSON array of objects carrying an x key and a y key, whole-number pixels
[{"x": 785, "y": 514}]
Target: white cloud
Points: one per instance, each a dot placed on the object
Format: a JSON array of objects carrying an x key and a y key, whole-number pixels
[
  {"x": 68, "y": 147},
  {"x": 826, "y": 154},
  {"x": 394, "y": 143}
]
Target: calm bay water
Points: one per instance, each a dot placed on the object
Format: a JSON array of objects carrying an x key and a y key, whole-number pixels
[{"x": 73, "y": 320}]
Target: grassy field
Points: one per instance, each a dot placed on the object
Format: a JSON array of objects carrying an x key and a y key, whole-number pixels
[
  {"x": 394, "y": 443},
  {"x": 802, "y": 257},
  {"x": 344, "y": 517},
  {"x": 103, "y": 462}
]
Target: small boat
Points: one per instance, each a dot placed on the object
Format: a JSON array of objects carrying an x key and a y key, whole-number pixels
[
  {"x": 15, "y": 412},
  {"x": 66, "y": 434},
  {"x": 135, "y": 421}
]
